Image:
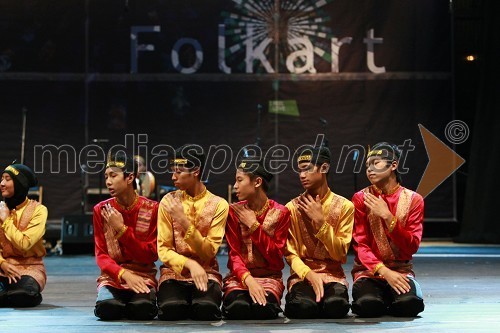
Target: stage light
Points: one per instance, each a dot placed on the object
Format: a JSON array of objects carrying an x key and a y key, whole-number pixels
[{"x": 470, "y": 58}]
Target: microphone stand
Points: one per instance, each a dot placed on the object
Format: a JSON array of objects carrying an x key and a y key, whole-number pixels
[
  {"x": 83, "y": 169},
  {"x": 23, "y": 136},
  {"x": 355, "y": 159},
  {"x": 259, "y": 113}
]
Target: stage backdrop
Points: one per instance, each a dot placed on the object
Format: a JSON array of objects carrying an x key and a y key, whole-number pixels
[{"x": 150, "y": 75}]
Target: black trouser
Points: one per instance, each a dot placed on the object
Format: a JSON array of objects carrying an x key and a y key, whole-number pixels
[
  {"x": 24, "y": 293},
  {"x": 123, "y": 303},
  {"x": 375, "y": 298},
  {"x": 301, "y": 301},
  {"x": 239, "y": 305},
  {"x": 178, "y": 300}
]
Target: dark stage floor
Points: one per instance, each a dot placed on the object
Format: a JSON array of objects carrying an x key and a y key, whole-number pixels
[{"x": 461, "y": 286}]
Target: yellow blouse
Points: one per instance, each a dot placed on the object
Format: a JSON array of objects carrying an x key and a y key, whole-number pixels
[
  {"x": 29, "y": 241},
  {"x": 335, "y": 241},
  {"x": 201, "y": 247}
]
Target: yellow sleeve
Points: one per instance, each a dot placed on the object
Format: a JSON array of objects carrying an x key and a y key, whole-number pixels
[
  {"x": 166, "y": 244},
  {"x": 337, "y": 241},
  {"x": 26, "y": 239},
  {"x": 292, "y": 254},
  {"x": 206, "y": 247}
]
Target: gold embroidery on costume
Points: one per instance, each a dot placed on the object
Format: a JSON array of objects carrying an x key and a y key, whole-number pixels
[
  {"x": 377, "y": 227},
  {"x": 333, "y": 220},
  {"x": 404, "y": 206},
  {"x": 247, "y": 249},
  {"x": 388, "y": 250},
  {"x": 262, "y": 210},
  {"x": 272, "y": 218}
]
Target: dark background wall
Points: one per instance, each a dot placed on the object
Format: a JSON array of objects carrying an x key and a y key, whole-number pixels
[{"x": 69, "y": 66}]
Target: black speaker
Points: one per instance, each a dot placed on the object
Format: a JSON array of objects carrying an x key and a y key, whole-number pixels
[{"x": 77, "y": 234}]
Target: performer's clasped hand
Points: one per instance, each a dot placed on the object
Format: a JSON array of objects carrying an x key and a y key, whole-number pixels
[
  {"x": 245, "y": 214},
  {"x": 4, "y": 211},
  {"x": 312, "y": 208},
  {"x": 113, "y": 217},
  {"x": 377, "y": 206},
  {"x": 174, "y": 207}
]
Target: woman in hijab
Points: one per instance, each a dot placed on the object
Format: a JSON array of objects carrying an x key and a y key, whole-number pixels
[{"x": 22, "y": 226}]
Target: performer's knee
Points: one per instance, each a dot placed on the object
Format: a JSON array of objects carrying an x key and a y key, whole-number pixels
[
  {"x": 142, "y": 306},
  {"x": 3, "y": 299},
  {"x": 335, "y": 307},
  {"x": 141, "y": 309},
  {"x": 300, "y": 307},
  {"x": 237, "y": 305},
  {"x": 20, "y": 298},
  {"x": 204, "y": 309},
  {"x": 263, "y": 312},
  {"x": 3, "y": 292},
  {"x": 206, "y": 305},
  {"x": 407, "y": 306},
  {"x": 173, "y": 301},
  {"x": 110, "y": 309},
  {"x": 26, "y": 293},
  {"x": 336, "y": 301},
  {"x": 369, "y": 306},
  {"x": 173, "y": 310}
]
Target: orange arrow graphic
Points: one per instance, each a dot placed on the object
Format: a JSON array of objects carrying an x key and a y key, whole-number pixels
[{"x": 443, "y": 162}]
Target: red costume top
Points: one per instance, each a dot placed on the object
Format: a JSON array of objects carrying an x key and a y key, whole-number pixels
[
  {"x": 376, "y": 246},
  {"x": 259, "y": 253},
  {"x": 134, "y": 249}
]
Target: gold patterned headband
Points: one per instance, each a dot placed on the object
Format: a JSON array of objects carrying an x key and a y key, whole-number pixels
[
  {"x": 304, "y": 158},
  {"x": 375, "y": 152},
  {"x": 110, "y": 163},
  {"x": 180, "y": 161},
  {"x": 114, "y": 164},
  {"x": 12, "y": 169}
]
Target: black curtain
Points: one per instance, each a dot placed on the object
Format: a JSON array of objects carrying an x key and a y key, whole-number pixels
[{"x": 481, "y": 222}]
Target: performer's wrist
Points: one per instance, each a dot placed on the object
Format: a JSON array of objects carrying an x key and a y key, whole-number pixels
[
  {"x": 254, "y": 227},
  {"x": 120, "y": 274},
  {"x": 392, "y": 223},
  {"x": 185, "y": 223},
  {"x": 121, "y": 231},
  {"x": 244, "y": 277},
  {"x": 304, "y": 272},
  {"x": 379, "y": 268},
  {"x": 322, "y": 229},
  {"x": 189, "y": 232}
]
